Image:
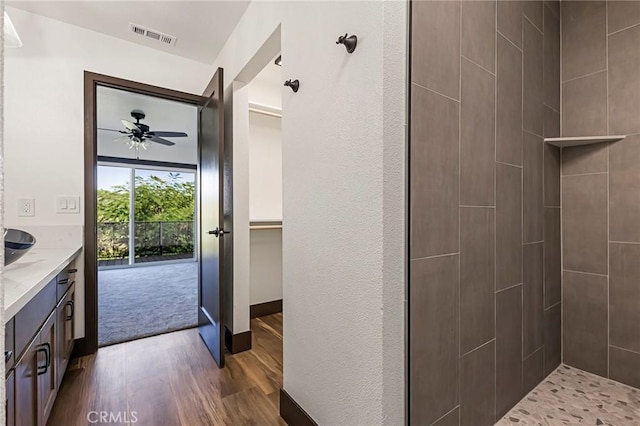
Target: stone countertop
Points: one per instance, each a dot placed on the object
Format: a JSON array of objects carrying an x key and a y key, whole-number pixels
[{"x": 30, "y": 274}]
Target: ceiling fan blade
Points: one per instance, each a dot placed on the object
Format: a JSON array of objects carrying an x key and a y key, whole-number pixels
[
  {"x": 129, "y": 125},
  {"x": 168, "y": 134},
  {"x": 112, "y": 130},
  {"x": 154, "y": 138},
  {"x": 122, "y": 139}
]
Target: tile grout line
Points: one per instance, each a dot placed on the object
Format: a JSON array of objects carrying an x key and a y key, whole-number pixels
[
  {"x": 624, "y": 349},
  {"x": 585, "y": 174},
  {"x": 606, "y": 12},
  {"x": 436, "y": 92},
  {"x": 561, "y": 197},
  {"x": 620, "y": 30},
  {"x": 478, "y": 347},
  {"x": 445, "y": 414},
  {"x": 508, "y": 288},
  {"x": 508, "y": 164},
  {"x": 505, "y": 37},
  {"x": 434, "y": 256},
  {"x": 460, "y": 117},
  {"x": 584, "y": 76},
  {"x": 584, "y": 273},
  {"x": 523, "y": 19},
  {"x": 495, "y": 223},
  {"x": 476, "y": 64}
]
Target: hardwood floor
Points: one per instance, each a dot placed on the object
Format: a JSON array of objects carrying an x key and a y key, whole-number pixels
[{"x": 171, "y": 380}]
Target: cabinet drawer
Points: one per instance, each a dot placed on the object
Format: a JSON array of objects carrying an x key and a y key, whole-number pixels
[
  {"x": 33, "y": 315},
  {"x": 64, "y": 280},
  {"x": 9, "y": 348}
]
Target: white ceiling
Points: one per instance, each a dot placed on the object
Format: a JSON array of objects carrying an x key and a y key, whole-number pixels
[
  {"x": 202, "y": 27},
  {"x": 112, "y": 105}
]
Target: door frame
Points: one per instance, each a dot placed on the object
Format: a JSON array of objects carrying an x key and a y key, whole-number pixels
[{"x": 89, "y": 343}]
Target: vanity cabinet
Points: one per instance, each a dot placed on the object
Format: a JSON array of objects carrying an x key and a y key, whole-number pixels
[
  {"x": 47, "y": 377},
  {"x": 26, "y": 385},
  {"x": 41, "y": 335},
  {"x": 65, "y": 312},
  {"x": 10, "y": 399}
]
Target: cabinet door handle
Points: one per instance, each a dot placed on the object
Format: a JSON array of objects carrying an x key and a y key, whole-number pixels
[
  {"x": 72, "y": 306},
  {"x": 46, "y": 348},
  {"x": 63, "y": 281},
  {"x": 72, "y": 271}
]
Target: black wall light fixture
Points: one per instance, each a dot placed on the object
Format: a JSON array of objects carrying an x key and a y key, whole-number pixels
[
  {"x": 278, "y": 61},
  {"x": 350, "y": 42},
  {"x": 295, "y": 85}
]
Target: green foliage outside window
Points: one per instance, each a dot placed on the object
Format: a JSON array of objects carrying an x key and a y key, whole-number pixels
[{"x": 164, "y": 217}]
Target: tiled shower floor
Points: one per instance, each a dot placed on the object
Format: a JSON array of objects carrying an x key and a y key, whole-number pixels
[{"x": 569, "y": 396}]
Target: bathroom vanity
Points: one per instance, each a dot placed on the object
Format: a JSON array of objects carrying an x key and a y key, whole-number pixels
[{"x": 39, "y": 331}]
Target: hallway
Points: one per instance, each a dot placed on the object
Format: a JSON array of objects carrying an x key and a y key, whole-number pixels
[{"x": 171, "y": 380}]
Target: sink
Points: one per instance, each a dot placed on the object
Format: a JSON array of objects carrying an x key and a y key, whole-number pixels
[{"x": 16, "y": 244}]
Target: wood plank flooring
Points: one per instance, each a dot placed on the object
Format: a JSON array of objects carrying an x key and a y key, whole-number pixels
[{"x": 171, "y": 380}]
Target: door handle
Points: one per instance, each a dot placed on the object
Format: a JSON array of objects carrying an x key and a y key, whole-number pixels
[
  {"x": 46, "y": 348},
  {"x": 72, "y": 306},
  {"x": 219, "y": 232}
]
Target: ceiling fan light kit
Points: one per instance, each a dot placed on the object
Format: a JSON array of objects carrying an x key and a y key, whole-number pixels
[{"x": 138, "y": 135}]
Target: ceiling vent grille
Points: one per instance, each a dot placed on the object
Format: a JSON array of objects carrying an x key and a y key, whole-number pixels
[{"x": 166, "y": 39}]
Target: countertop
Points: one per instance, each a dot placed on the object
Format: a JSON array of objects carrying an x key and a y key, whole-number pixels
[{"x": 26, "y": 277}]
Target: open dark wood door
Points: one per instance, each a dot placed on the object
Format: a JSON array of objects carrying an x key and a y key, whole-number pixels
[{"x": 211, "y": 234}]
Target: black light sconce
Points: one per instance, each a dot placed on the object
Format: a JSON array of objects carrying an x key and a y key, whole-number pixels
[
  {"x": 295, "y": 85},
  {"x": 350, "y": 42},
  {"x": 278, "y": 61}
]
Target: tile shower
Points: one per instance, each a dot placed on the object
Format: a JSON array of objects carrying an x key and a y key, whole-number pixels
[{"x": 523, "y": 257}]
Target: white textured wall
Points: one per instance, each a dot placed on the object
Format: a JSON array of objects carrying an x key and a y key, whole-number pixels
[
  {"x": 343, "y": 196},
  {"x": 266, "y": 265},
  {"x": 44, "y": 109},
  {"x": 265, "y": 200},
  {"x": 265, "y": 167}
]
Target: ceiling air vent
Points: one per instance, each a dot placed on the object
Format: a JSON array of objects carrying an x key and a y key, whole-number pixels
[{"x": 167, "y": 39}]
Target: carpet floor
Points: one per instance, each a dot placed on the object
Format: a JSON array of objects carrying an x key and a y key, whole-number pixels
[{"x": 145, "y": 301}]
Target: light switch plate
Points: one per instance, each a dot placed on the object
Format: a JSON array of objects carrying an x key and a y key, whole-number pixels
[
  {"x": 26, "y": 207},
  {"x": 65, "y": 205}
]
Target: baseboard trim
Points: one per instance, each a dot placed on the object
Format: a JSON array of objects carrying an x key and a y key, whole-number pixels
[
  {"x": 292, "y": 413},
  {"x": 237, "y": 343},
  {"x": 80, "y": 348},
  {"x": 266, "y": 308}
]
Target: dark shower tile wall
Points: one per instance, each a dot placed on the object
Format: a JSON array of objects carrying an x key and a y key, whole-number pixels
[
  {"x": 601, "y": 188},
  {"x": 485, "y": 321}
]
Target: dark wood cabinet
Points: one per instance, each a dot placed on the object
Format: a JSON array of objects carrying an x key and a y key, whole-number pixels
[
  {"x": 41, "y": 336},
  {"x": 10, "y": 401},
  {"x": 47, "y": 377},
  {"x": 65, "y": 312},
  {"x": 26, "y": 386}
]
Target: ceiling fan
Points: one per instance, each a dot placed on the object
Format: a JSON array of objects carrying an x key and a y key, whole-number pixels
[{"x": 138, "y": 135}]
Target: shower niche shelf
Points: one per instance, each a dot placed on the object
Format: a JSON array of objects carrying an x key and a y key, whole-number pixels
[{"x": 567, "y": 142}]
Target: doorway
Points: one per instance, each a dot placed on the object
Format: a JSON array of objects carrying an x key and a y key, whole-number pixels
[
  {"x": 146, "y": 233},
  {"x": 145, "y": 194},
  {"x": 265, "y": 190}
]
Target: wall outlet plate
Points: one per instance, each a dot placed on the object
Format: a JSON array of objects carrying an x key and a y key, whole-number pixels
[
  {"x": 68, "y": 205},
  {"x": 26, "y": 207}
]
